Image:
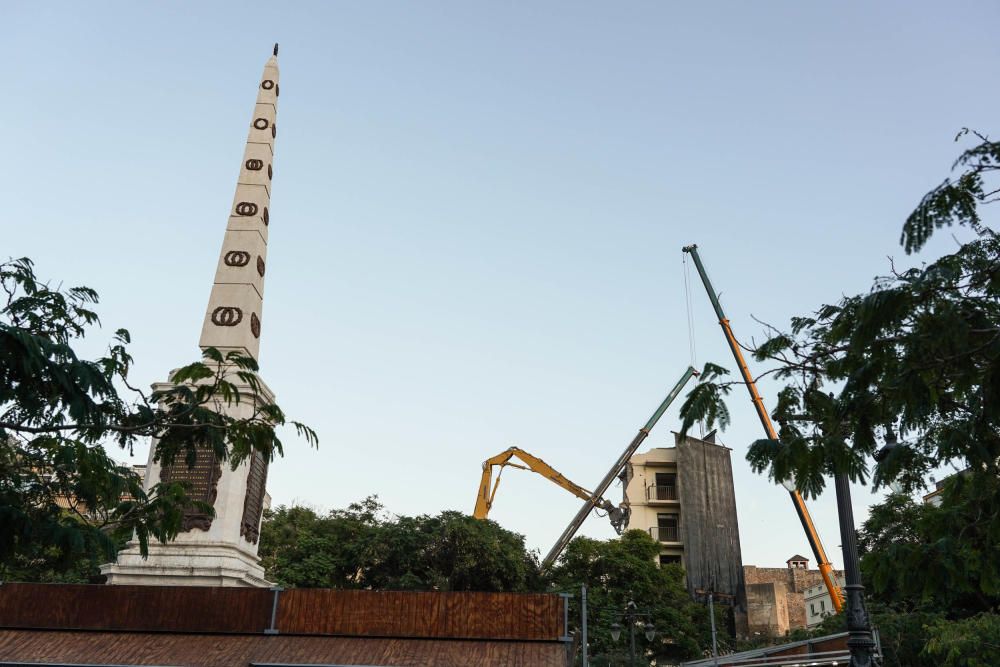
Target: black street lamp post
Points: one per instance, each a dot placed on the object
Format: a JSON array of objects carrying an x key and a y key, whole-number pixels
[
  {"x": 859, "y": 627},
  {"x": 860, "y": 641}
]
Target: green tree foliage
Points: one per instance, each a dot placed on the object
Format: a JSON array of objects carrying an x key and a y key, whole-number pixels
[
  {"x": 953, "y": 547},
  {"x": 52, "y": 565},
  {"x": 65, "y": 504},
  {"x": 923, "y": 567},
  {"x": 904, "y": 634},
  {"x": 618, "y": 570},
  {"x": 363, "y": 547},
  {"x": 973, "y": 642},
  {"x": 906, "y": 375}
]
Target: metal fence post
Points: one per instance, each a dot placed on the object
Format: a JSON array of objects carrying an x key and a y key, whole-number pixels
[
  {"x": 566, "y": 597},
  {"x": 274, "y": 611}
]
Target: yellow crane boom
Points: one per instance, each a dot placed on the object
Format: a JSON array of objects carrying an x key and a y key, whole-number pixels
[{"x": 488, "y": 488}]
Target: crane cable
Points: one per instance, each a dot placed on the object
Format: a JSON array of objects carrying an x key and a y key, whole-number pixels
[
  {"x": 692, "y": 345},
  {"x": 701, "y": 422}
]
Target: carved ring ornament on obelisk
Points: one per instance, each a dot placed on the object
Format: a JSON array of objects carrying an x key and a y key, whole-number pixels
[
  {"x": 227, "y": 316},
  {"x": 246, "y": 208},
  {"x": 236, "y": 258}
]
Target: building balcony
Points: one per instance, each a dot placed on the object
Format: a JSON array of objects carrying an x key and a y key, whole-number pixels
[
  {"x": 665, "y": 533},
  {"x": 658, "y": 494}
]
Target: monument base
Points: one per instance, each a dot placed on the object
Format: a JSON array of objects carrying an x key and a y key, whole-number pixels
[{"x": 190, "y": 564}]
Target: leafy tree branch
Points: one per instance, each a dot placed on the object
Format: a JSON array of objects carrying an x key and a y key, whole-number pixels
[{"x": 60, "y": 492}]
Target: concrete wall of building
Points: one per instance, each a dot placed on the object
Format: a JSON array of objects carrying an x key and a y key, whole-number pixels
[
  {"x": 796, "y": 579},
  {"x": 794, "y": 582},
  {"x": 710, "y": 528},
  {"x": 767, "y": 609}
]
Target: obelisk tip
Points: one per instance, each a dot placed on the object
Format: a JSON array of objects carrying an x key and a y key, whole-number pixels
[{"x": 275, "y": 48}]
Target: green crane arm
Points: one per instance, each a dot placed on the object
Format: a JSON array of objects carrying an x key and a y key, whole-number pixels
[{"x": 590, "y": 504}]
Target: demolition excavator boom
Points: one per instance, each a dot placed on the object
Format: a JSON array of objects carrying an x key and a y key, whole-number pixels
[{"x": 488, "y": 488}]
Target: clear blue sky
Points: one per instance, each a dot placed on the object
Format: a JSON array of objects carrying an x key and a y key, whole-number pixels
[{"x": 478, "y": 209}]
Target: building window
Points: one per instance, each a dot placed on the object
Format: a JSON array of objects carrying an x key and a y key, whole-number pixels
[
  {"x": 822, "y": 605},
  {"x": 667, "y": 559},
  {"x": 667, "y": 528},
  {"x": 812, "y": 608},
  {"x": 665, "y": 487}
]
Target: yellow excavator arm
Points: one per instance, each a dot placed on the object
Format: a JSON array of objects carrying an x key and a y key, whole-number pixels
[{"x": 488, "y": 488}]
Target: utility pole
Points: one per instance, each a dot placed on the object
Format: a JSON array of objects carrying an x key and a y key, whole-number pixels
[
  {"x": 715, "y": 642},
  {"x": 712, "y": 594}
]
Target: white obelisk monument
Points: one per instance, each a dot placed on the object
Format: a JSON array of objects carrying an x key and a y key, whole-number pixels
[{"x": 222, "y": 550}]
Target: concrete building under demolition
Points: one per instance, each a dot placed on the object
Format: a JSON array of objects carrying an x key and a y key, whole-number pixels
[{"x": 684, "y": 497}]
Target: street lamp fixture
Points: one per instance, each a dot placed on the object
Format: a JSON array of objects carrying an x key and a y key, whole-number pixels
[
  {"x": 631, "y": 616},
  {"x": 891, "y": 445},
  {"x": 789, "y": 483}
]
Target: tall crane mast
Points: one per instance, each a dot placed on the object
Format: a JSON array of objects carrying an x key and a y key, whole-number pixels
[
  {"x": 616, "y": 469},
  {"x": 825, "y": 568}
]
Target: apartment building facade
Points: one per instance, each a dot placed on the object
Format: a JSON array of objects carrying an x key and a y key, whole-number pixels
[
  {"x": 683, "y": 496},
  {"x": 818, "y": 603}
]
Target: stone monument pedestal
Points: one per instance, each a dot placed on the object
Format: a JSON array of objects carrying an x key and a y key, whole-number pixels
[
  {"x": 210, "y": 551},
  {"x": 187, "y": 564}
]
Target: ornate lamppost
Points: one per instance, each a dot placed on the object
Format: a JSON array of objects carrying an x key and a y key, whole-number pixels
[
  {"x": 860, "y": 641},
  {"x": 630, "y": 617}
]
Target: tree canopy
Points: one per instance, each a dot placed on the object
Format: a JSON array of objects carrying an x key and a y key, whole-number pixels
[
  {"x": 364, "y": 547},
  {"x": 62, "y": 496},
  {"x": 623, "y": 569}
]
